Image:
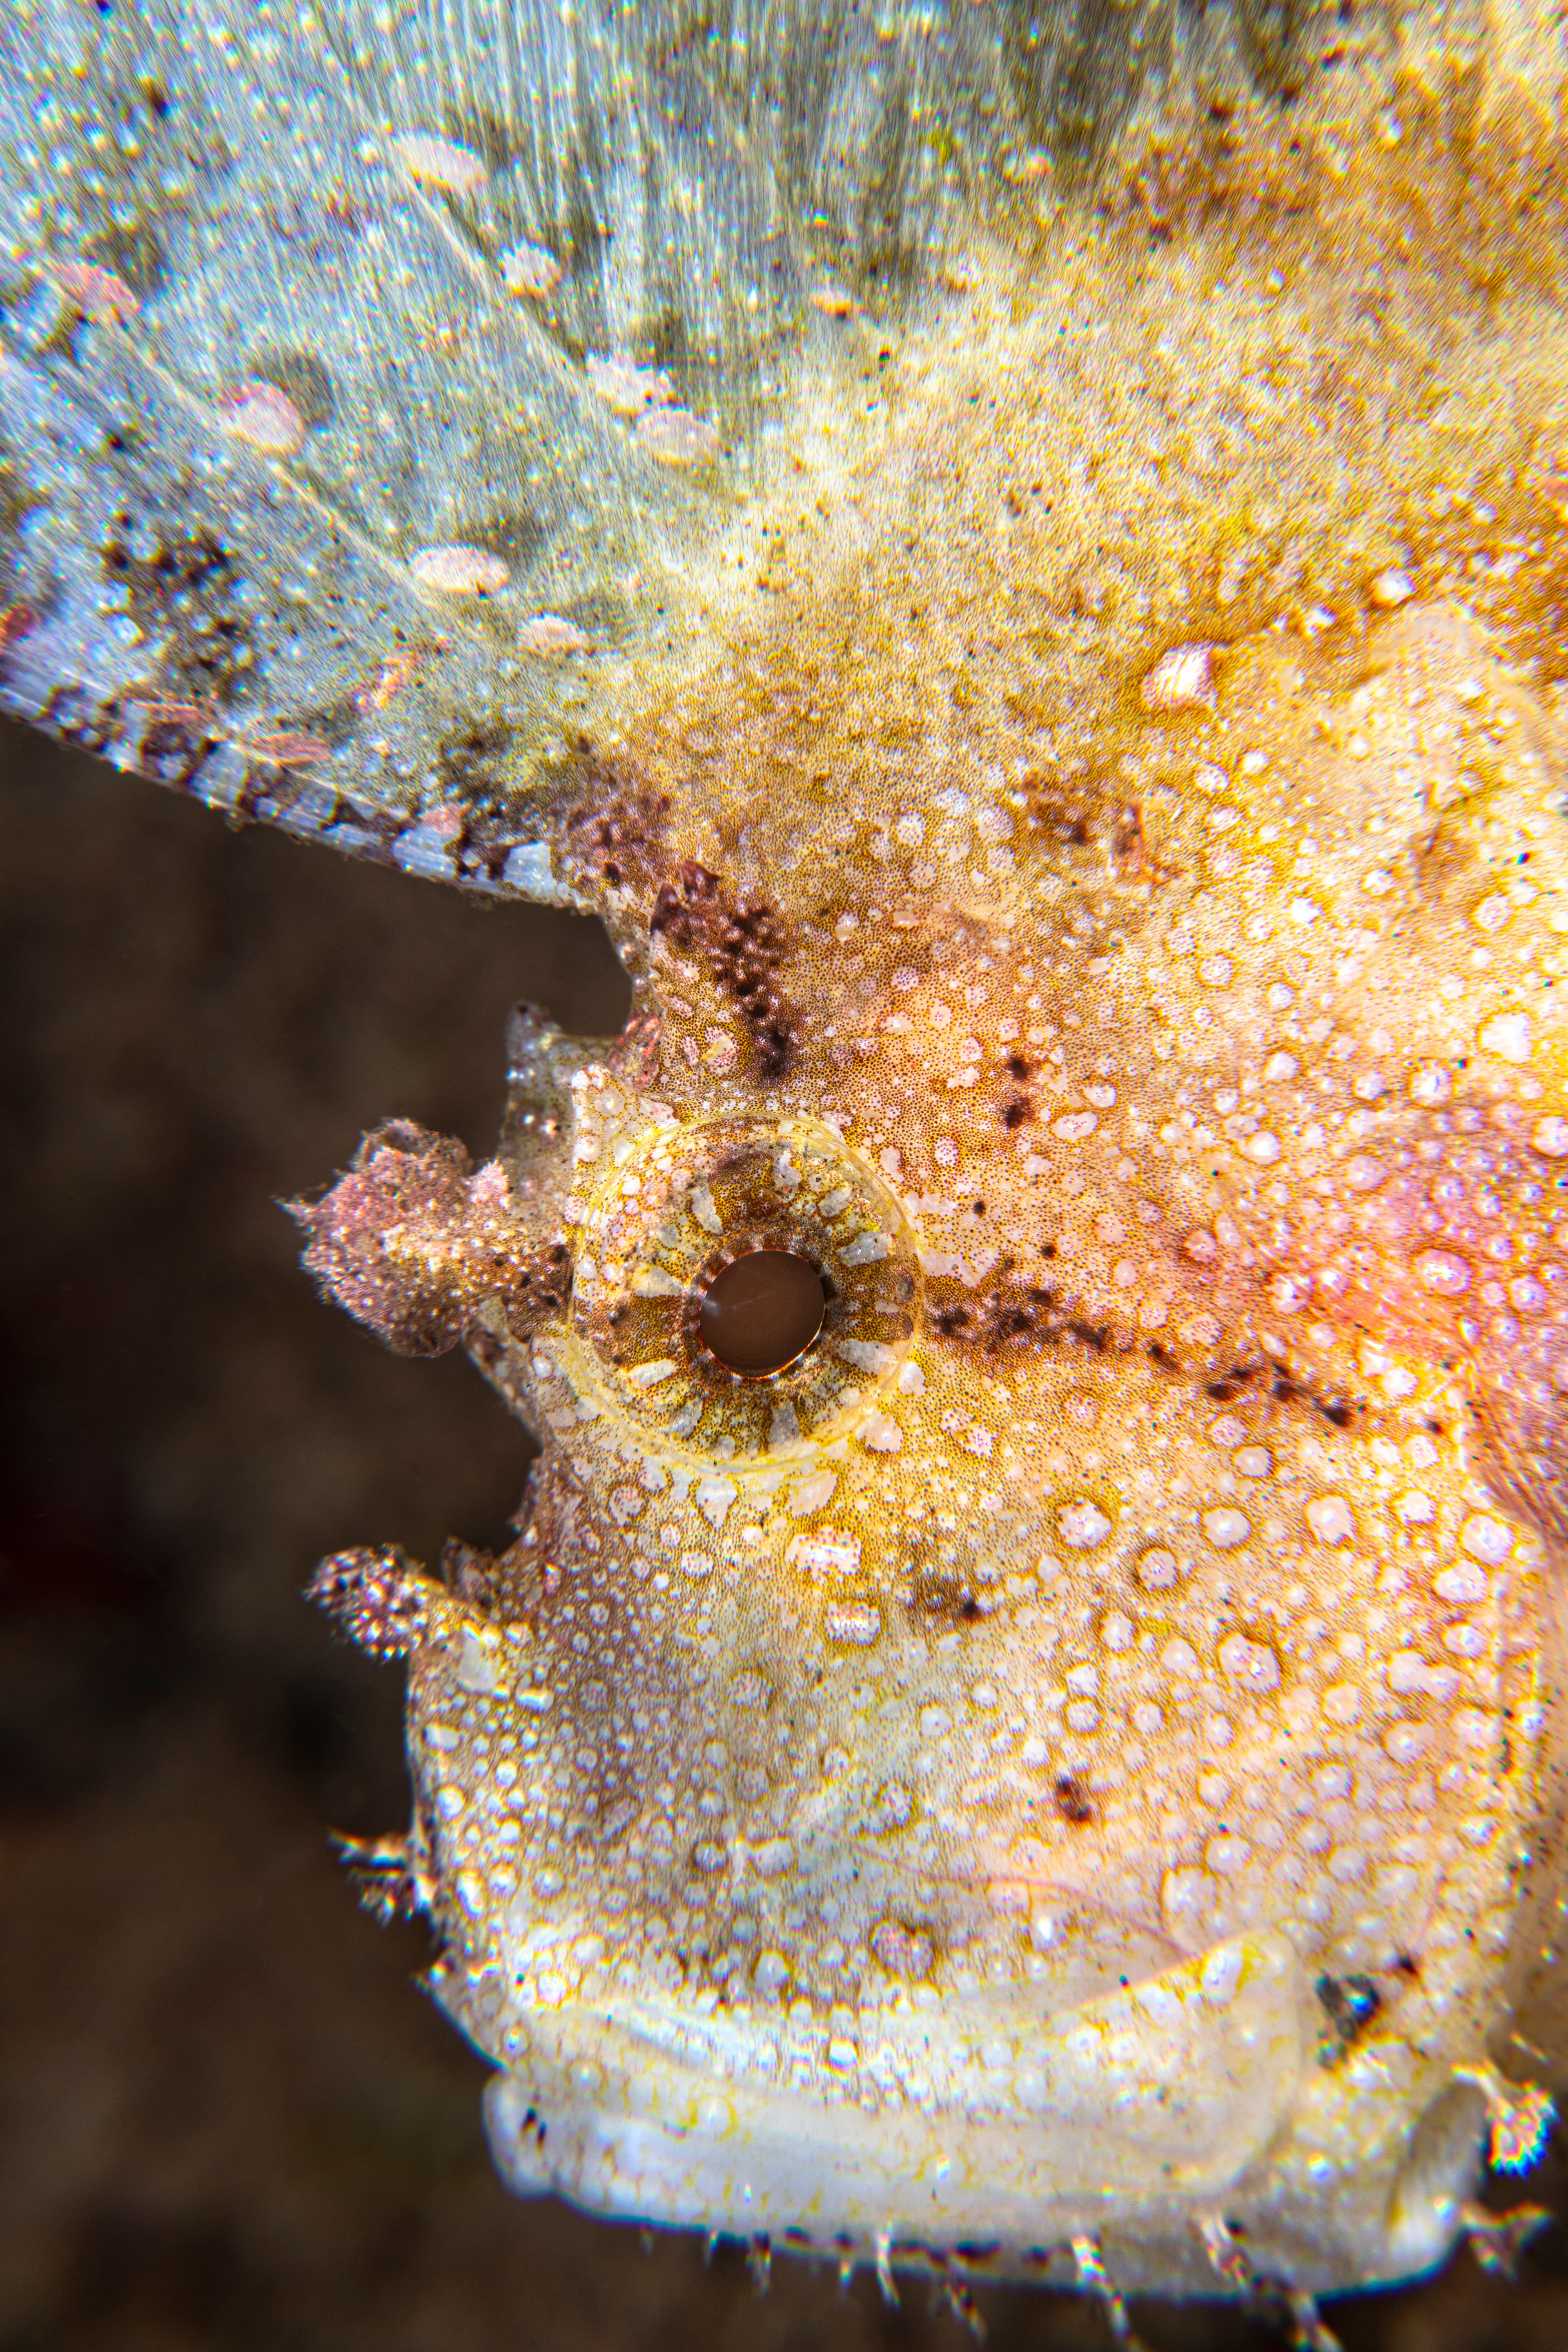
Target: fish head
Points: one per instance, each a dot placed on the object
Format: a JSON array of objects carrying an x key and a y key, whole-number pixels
[{"x": 1020, "y": 1708}]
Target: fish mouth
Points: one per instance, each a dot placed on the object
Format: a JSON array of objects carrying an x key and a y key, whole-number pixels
[{"x": 980, "y": 2137}]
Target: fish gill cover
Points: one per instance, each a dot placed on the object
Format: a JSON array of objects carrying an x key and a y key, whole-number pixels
[{"x": 1015, "y": 558}]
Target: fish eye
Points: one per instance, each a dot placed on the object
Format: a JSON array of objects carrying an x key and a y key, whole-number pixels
[
  {"x": 762, "y": 1311},
  {"x": 740, "y": 1287}
]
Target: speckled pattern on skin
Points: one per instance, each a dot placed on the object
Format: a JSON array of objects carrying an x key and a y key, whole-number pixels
[{"x": 1047, "y": 1783}]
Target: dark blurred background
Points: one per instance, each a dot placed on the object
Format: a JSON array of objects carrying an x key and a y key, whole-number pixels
[{"x": 228, "y": 2115}]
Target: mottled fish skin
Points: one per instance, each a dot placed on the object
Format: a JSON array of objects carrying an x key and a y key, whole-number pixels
[{"x": 1063, "y": 1778}]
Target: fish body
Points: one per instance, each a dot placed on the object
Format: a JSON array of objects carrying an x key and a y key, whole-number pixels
[{"x": 1039, "y": 1756}]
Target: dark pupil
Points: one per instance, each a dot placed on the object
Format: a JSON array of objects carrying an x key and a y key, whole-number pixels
[{"x": 762, "y": 1311}]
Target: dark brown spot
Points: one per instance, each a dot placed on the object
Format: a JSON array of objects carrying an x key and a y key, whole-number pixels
[
  {"x": 946, "y": 1593},
  {"x": 188, "y": 594},
  {"x": 1017, "y": 1066},
  {"x": 1286, "y": 1388},
  {"x": 762, "y": 1311},
  {"x": 1016, "y": 1112},
  {"x": 1350, "y": 2003},
  {"x": 1010, "y": 1314},
  {"x": 1072, "y": 1800},
  {"x": 1055, "y": 812}
]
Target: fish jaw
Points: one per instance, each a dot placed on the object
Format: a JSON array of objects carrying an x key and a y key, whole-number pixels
[{"x": 1139, "y": 2120}]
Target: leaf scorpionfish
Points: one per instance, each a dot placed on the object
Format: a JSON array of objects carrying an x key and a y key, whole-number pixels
[{"x": 1019, "y": 562}]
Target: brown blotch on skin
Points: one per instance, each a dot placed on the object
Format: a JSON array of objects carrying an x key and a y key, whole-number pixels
[
  {"x": 741, "y": 942},
  {"x": 1009, "y": 1314},
  {"x": 188, "y": 596},
  {"x": 1059, "y": 814},
  {"x": 1286, "y": 1388},
  {"x": 1282, "y": 1388},
  {"x": 615, "y": 832},
  {"x": 471, "y": 762}
]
